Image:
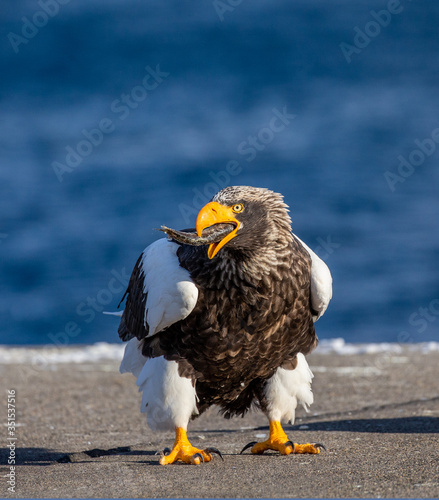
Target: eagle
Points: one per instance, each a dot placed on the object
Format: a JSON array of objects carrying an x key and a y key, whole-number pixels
[{"x": 224, "y": 315}]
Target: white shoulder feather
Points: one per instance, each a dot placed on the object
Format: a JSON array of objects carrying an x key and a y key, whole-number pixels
[
  {"x": 171, "y": 293},
  {"x": 321, "y": 282}
]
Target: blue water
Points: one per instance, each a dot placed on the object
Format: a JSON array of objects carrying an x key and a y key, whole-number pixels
[{"x": 215, "y": 79}]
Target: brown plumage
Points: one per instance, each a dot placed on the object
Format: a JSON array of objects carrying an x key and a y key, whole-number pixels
[{"x": 253, "y": 313}]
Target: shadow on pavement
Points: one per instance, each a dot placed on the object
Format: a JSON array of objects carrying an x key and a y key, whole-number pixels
[
  {"x": 404, "y": 425},
  {"x": 44, "y": 457},
  {"x": 28, "y": 456}
]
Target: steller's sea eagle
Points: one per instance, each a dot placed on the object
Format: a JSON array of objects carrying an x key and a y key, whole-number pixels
[{"x": 225, "y": 316}]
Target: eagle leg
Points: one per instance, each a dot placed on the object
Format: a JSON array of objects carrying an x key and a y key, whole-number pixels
[
  {"x": 184, "y": 451},
  {"x": 278, "y": 441}
]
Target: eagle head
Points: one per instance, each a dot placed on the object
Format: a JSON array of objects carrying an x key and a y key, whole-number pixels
[{"x": 259, "y": 216}]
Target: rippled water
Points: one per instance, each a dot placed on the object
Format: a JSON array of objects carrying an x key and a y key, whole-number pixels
[{"x": 118, "y": 117}]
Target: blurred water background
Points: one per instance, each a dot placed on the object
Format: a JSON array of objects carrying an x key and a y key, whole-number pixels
[{"x": 163, "y": 102}]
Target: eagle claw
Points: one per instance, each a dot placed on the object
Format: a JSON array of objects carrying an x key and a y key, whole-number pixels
[
  {"x": 289, "y": 443},
  {"x": 214, "y": 450},
  {"x": 165, "y": 452},
  {"x": 247, "y": 446},
  {"x": 197, "y": 455},
  {"x": 319, "y": 445}
]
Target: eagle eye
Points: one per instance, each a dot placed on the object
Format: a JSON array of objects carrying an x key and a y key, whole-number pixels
[{"x": 239, "y": 207}]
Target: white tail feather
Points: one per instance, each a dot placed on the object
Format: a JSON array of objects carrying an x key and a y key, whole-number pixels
[{"x": 116, "y": 313}]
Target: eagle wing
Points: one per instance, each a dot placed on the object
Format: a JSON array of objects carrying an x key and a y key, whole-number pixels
[
  {"x": 321, "y": 283},
  {"x": 159, "y": 294}
]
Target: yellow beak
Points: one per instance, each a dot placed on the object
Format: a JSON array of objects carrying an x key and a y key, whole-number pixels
[{"x": 214, "y": 213}]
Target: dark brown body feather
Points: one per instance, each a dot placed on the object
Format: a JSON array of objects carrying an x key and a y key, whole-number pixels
[{"x": 250, "y": 319}]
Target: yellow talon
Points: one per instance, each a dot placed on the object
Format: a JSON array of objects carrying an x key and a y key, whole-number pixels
[
  {"x": 184, "y": 451},
  {"x": 279, "y": 441},
  {"x": 306, "y": 448}
]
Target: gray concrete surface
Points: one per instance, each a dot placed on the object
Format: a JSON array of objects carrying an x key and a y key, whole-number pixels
[{"x": 80, "y": 434}]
